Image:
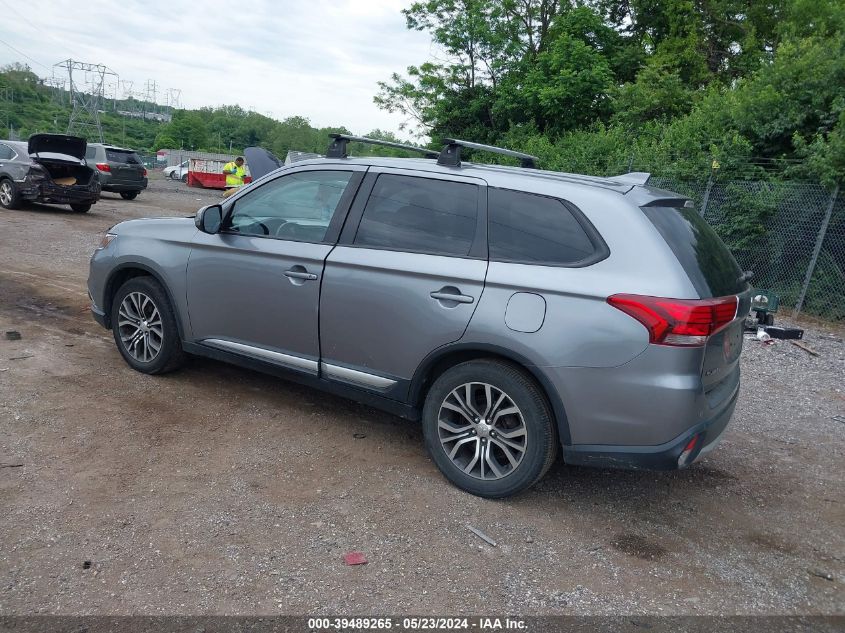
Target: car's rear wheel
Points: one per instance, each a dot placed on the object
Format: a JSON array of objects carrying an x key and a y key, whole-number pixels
[
  {"x": 185, "y": 178},
  {"x": 489, "y": 429},
  {"x": 129, "y": 195},
  {"x": 144, "y": 327},
  {"x": 81, "y": 207},
  {"x": 10, "y": 198}
]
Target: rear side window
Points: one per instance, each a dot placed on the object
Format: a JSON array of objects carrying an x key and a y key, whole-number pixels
[
  {"x": 122, "y": 156},
  {"x": 90, "y": 152},
  {"x": 6, "y": 152},
  {"x": 420, "y": 215},
  {"x": 528, "y": 228},
  {"x": 706, "y": 260}
]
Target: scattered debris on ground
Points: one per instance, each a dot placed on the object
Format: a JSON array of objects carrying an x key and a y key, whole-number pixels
[{"x": 482, "y": 535}]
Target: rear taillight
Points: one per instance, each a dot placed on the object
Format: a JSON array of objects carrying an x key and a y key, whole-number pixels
[
  {"x": 681, "y": 322},
  {"x": 103, "y": 167},
  {"x": 144, "y": 174}
]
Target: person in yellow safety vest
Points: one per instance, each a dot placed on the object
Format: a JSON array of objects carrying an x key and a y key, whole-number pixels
[{"x": 235, "y": 174}]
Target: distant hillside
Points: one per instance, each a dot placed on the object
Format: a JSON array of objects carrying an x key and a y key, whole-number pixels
[{"x": 28, "y": 106}]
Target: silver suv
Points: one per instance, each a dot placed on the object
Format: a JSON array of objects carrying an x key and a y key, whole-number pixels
[{"x": 512, "y": 310}]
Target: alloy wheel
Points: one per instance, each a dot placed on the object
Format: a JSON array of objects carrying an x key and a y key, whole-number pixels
[
  {"x": 140, "y": 327},
  {"x": 5, "y": 193},
  {"x": 482, "y": 431}
]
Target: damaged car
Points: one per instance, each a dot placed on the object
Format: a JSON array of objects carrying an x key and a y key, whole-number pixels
[{"x": 49, "y": 168}]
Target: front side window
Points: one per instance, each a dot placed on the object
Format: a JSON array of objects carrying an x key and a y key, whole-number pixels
[
  {"x": 529, "y": 228},
  {"x": 422, "y": 215},
  {"x": 297, "y": 206}
]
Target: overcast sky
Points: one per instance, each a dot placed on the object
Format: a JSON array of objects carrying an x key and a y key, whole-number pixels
[{"x": 317, "y": 58}]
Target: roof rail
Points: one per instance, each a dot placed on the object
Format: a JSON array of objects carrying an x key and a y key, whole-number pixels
[
  {"x": 337, "y": 147},
  {"x": 451, "y": 154}
]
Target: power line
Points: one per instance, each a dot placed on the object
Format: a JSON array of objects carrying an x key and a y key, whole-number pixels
[
  {"x": 19, "y": 52},
  {"x": 33, "y": 26}
]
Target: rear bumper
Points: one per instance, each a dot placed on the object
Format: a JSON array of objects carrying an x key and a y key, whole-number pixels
[
  {"x": 99, "y": 316},
  {"x": 118, "y": 187},
  {"x": 660, "y": 457},
  {"x": 57, "y": 194}
]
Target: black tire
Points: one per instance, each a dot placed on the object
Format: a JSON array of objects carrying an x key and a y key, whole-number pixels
[
  {"x": 10, "y": 197},
  {"x": 81, "y": 207},
  {"x": 172, "y": 175},
  {"x": 534, "y": 416},
  {"x": 184, "y": 178},
  {"x": 129, "y": 195},
  {"x": 170, "y": 355}
]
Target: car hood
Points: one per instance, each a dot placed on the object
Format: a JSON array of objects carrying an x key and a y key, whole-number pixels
[
  {"x": 161, "y": 227},
  {"x": 261, "y": 162},
  {"x": 57, "y": 144}
]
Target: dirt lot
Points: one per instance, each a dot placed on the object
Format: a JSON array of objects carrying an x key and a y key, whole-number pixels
[{"x": 220, "y": 490}]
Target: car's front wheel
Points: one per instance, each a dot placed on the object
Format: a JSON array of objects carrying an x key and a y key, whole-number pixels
[
  {"x": 489, "y": 429},
  {"x": 144, "y": 327},
  {"x": 9, "y": 196}
]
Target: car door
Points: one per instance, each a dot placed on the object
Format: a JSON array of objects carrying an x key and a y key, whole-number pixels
[
  {"x": 404, "y": 279},
  {"x": 254, "y": 288}
]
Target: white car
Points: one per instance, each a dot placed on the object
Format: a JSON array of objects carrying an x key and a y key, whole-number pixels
[{"x": 177, "y": 172}]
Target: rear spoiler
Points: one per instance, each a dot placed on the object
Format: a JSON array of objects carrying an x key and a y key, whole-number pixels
[{"x": 634, "y": 177}]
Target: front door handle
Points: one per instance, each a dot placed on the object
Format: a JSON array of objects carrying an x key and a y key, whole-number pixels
[
  {"x": 300, "y": 274},
  {"x": 456, "y": 296}
]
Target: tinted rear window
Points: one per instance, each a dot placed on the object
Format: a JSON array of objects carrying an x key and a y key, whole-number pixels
[
  {"x": 121, "y": 156},
  {"x": 528, "y": 228},
  {"x": 420, "y": 215},
  {"x": 708, "y": 263}
]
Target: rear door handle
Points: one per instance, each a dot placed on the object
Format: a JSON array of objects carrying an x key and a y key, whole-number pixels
[
  {"x": 448, "y": 296},
  {"x": 299, "y": 274}
]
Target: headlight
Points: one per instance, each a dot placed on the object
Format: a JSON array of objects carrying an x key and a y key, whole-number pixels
[{"x": 107, "y": 238}]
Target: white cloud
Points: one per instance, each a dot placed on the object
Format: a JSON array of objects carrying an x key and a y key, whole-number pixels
[{"x": 320, "y": 59}]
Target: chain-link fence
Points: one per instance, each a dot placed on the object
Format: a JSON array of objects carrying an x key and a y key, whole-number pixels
[{"x": 791, "y": 234}]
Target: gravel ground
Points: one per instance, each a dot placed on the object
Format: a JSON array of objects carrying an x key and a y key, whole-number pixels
[{"x": 217, "y": 490}]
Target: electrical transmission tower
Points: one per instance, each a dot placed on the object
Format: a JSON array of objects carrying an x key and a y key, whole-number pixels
[
  {"x": 173, "y": 98},
  {"x": 150, "y": 98},
  {"x": 57, "y": 88},
  {"x": 87, "y": 85}
]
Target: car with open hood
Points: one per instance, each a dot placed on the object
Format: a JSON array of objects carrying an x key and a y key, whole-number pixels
[{"x": 49, "y": 168}]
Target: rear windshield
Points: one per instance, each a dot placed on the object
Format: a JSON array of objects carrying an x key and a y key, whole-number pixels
[
  {"x": 122, "y": 156},
  {"x": 708, "y": 263}
]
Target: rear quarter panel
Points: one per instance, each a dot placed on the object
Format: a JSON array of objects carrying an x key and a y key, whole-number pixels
[{"x": 580, "y": 329}]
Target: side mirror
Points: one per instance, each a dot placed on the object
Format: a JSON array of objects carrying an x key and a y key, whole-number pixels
[{"x": 209, "y": 219}]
